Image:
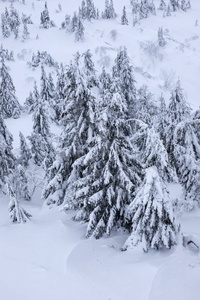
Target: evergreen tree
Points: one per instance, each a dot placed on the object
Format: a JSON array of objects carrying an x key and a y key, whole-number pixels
[
  {"x": 162, "y": 121},
  {"x": 45, "y": 21},
  {"x": 187, "y": 157},
  {"x": 152, "y": 152},
  {"x": 9, "y": 104},
  {"x": 163, "y": 5},
  {"x": 124, "y": 20},
  {"x": 109, "y": 12},
  {"x": 26, "y": 34},
  {"x": 5, "y": 26},
  {"x": 161, "y": 40},
  {"x": 7, "y": 159},
  {"x": 110, "y": 173},
  {"x": 77, "y": 121},
  {"x": 74, "y": 23},
  {"x": 145, "y": 107},
  {"x": 40, "y": 138},
  {"x": 124, "y": 71},
  {"x": 59, "y": 93},
  {"x": 150, "y": 215},
  {"x": 89, "y": 69},
  {"x": 14, "y": 21},
  {"x": 178, "y": 111},
  {"x": 17, "y": 213},
  {"x": 25, "y": 153},
  {"x": 79, "y": 33},
  {"x": 104, "y": 82}
]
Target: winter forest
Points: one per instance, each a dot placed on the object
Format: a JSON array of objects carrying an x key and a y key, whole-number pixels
[{"x": 100, "y": 149}]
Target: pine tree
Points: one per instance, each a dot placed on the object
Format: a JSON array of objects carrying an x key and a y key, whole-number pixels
[
  {"x": 163, "y": 5},
  {"x": 5, "y": 26},
  {"x": 162, "y": 121},
  {"x": 124, "y": 71},
  {"x": 40, "y": 138},
  {"x": 187, "y": 155},
  {"x": 110, "y": 173},
  {"x": 150, "y": 215},
  {"x": 74, "y": 23},
  {"x": 7, "y": 159},
  {"x": 145, "y": 107},
  {"x": 124, "y": 20},
  {"x": 26, "y": 34},
  {"x": 79, "y": 33},
  {"x": 17, "y": 213},
  {"x": 9, "y": 104},
  {"x": 104, "y": 82},
  {"x": 77, "y": 121},
  {"x": 45, "y": 21},
  {"x": 178, "y": 111},
  {"x": 161, "y": 40},
  {"x": 14, "y": 21},
  {"x": 109, "y": 12},
  {"x": 89, "y": 69},
  {"x": 59, "y": 93},
  {"x": 153, "y": 153},
  {"x": 25, "y": 153}
]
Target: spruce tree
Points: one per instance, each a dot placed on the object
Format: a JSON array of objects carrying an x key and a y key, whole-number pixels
[
  {"x": 178, "y": 111},
  {"x": 124, "y": 71},
  {"x": 9, "y": 104},
  {"x": 89, "y": 69},
  {"x": 150, "y": 215},
  {"x": 77, "y": 121},
  {"x": 25, "y": 153},
  {"x": 7, "y": 159},
  {"x": 187, "y": 157},
  {"x": 79, "y": 33},
  {"x": 5, "y": 26},
  {"x": 40, "y": 138},
  {"x": 161, "y": 40},
  {"x": 17, "y": 213},
  {"x": 110, "y": 174},
  {"x": 124, "y": 20},
  {"x": 26, "y": 34}
]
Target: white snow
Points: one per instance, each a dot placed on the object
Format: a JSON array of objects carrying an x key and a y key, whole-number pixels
[{"x": 49, "y": 257}]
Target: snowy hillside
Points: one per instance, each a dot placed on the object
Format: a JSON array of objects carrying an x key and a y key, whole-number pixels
[{"x": 120, "y": 155}]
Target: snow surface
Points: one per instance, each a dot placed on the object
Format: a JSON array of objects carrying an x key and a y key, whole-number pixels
[{"x": 49, "y": 257}]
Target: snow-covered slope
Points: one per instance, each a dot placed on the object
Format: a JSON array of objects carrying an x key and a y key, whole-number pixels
[{"x": 49, "y": 257}]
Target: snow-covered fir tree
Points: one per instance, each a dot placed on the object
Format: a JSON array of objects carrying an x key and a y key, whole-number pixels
[
  {"x": 26, "y": 34},
  {"x": 109, "y": 12},
  {"x": 17, "y": 213},
  {"x": 78, "y": 123},
  {"x": 25, "y": 153},
  {"x": 45, "y": 21},
  {"x": 124, "y": 20},
  {"x": 110, "y": 172},
  {"x": 74, "y": 23},
  {"x": 89, "y": 69},
  {"x": 41, "y": 144},
  {"x": 7, "y": 159},
  {"x": 14, "y": 21},
  {"x": 178, "y": 111},
  {"x": 161, "y": 40},
  {"x": 150, "y": 215},
  {"x": 152, "y": 152},
  {"x": 145, "y": 107},
  {"x": 5, "y": 26},
  {"x": 79, "y": 32},
  {"x": 124, "y": 71},
  {"x": 187, "y": 160},
  {"x": 9, "y": 104},
  {"x": 163, "y": 5}
]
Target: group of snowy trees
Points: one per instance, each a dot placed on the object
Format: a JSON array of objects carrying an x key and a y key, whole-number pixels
[
  {"x": 10, "y": 23},
  {"x": 117, "y": 151},
  {"x": 116, "y": 154}
]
